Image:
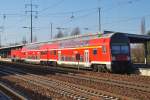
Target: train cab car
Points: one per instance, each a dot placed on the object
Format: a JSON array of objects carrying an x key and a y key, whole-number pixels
[
  {"x": 120, "y": 53},
  {"x": 105, "y": 52}
]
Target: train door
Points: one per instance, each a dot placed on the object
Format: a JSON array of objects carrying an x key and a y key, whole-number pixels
[
  {"x": 86, "y": 57},
  {"x": 59, "y": 55}
]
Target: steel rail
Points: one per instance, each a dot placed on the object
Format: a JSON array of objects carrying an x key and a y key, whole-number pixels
[
  {"x": 11, "y": 93},
  {"x": 93, "y": 92},
  {"x": 131, "y": 85}
]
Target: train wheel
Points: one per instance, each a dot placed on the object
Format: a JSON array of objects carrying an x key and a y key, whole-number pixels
[
  {"x": 41, "y": 63},
  {"x": 95, "y": 68},
  {"x": 54, "y": 64}
]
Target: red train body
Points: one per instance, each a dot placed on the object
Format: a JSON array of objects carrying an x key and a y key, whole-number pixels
[{"x": 99, "y": 52}]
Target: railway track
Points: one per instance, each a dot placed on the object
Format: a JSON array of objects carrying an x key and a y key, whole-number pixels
[
  {"x": 130, "y": 85},
  {"x": 10, "y": 94},
  {"x": 67, "y": 89},
  {"x": 125, "y": 84},
  {"x": 83, "y": 76}
]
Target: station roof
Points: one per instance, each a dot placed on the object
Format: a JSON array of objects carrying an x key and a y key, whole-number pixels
[
  {"x": 136, "y": 38},
  {"x": 10, "y": 47}
]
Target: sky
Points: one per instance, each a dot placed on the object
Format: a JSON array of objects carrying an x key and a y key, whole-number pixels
[{"x": 116, "y": 15}]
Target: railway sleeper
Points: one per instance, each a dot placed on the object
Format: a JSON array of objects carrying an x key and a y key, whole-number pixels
[{"x": 67, "y": 93}]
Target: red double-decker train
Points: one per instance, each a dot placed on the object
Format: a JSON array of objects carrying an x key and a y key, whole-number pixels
[{"x": 107, "y": 52}]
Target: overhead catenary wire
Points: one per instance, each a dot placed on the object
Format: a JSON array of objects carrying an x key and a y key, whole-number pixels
[
  {"x": 52, "y": 6},
  {"x": 75, "y": 11},
  {"x": 123, "y": 3},
  {"x": 78, "y": 17},
  {"x": 69, "y": 12}
]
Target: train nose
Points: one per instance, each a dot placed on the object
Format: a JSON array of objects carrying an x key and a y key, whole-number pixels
[{"x": 121, "y": 66}]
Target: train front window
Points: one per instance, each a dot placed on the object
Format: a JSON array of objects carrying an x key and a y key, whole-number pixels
[
  {"x": 116, "y": 49},
  {"x": 125, "y": 49},
  {"x": 120, "y": 49}
]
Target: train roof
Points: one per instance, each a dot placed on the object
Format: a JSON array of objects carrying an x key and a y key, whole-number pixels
[
  {"x": 76, "y": 37},
  {"x": 83, "y": 37},
  {"x": 138, "y": 38},
  {"x": 134, "y": 38}
]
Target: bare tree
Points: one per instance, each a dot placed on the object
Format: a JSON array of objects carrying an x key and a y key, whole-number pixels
[
  {"x": 148, "y": 33},
  {"x": 138, "y": 53},
  {"x": 35, "y": 39},
  {"x": 24, "y": 41},
  {"x": 16, "y": 43},
  {"x": 76, "y": 31},
  {"x": 148, "y": 48},
  {"x": 59, "y": 34}
]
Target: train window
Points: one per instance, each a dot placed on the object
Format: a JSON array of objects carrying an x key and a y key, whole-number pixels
[
  {"x": 29, "y": 57},
  {"x": 69, "y": 59},
  {"x": 95, "y": 51},
  {"x": 115, "y": 49},
  {"x": 66, "y": 58},
  {"x": 54, "y": 52},
  {"x": 73, "y": 58},
  {"x": 103, "y": 49},
  {"x": 120, "y": 49},
  {"x": 51, "y": 52},
  {"x": 33, "y": 57},
  {"x": 62, "y": 58},
  {"x": 38, "y": 57},
  {"x": 124, "y": 49},
  {"x": 43, "y": 52},
  {"x": 81, "y": 58}
]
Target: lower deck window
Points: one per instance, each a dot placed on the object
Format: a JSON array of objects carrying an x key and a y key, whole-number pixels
[
  {"x": 81, "y": 58},
  {"x": 94, "y": 51}
]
